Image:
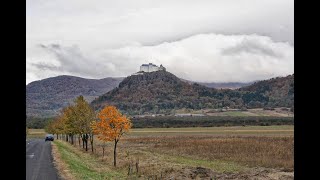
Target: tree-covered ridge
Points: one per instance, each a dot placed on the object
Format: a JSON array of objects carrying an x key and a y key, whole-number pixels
[
  {"x": 275, "y": 92},
  {"x": 161, "y": 92},
  {"x": 46, "y": 97}
]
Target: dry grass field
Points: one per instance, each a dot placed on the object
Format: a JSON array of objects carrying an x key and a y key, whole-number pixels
[
  {"x": 256, "y": 152},
  {"x": 36, "y": 133},
  {"x": 274, "y": 152},
  {"x": 255, "y": 112}
]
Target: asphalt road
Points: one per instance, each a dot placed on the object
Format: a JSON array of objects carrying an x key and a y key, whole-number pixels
[{"x": 39, "y": 161}]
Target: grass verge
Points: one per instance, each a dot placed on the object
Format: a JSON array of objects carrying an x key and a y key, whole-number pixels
[{"x": 85, "y": 166}]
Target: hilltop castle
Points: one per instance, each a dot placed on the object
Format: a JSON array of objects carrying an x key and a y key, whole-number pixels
[{"x": 151, "y": 67}]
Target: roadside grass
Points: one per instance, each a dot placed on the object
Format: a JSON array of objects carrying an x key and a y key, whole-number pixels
[{"x": 85, "y": 166}]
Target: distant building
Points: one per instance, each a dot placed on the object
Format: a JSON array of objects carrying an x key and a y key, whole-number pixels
[{"x": 151, "y": 67}]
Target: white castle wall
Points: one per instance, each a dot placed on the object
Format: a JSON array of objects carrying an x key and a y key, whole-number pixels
[
  {"x": 153, "y": 68},
  {"x": 150, "y": 68},
  {"x": 144, "y": 68}
]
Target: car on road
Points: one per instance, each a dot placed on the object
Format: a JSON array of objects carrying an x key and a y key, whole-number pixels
[{"x": 49, "y": 137}]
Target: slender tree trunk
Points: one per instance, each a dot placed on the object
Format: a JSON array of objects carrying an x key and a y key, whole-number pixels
[
  {"x": 67, "y": 138},
  {"x": 91, "y": 141},
  {"x": 86, "y": 136},
  {"x": 115, "y": 153},
  {"x": 102, "y": 152},
  {"x": 79, "y": 140},
  {"x": 72, "y": 139},
  {"x": 83, "y": 139},
  {"x": 57, "y": 136}
]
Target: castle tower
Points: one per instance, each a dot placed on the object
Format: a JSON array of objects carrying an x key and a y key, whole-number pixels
[{"x": 161, "y": 68}]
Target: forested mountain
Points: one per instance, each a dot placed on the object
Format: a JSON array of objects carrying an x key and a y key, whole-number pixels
[
  {"x": 44, "y": 98},
  {"x": 155, "y": 92},
  {"x": 273, "y": 92},
  {"x": 161, "y": 92}
]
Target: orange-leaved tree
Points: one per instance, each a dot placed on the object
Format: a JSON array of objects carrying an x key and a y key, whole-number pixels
[{"x": 111, "y": 126}]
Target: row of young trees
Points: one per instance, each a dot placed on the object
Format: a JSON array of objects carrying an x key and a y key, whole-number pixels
[{"x": 81, "y": 120}]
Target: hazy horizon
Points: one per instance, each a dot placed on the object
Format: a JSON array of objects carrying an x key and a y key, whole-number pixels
[{"x": 244, "y": 82}]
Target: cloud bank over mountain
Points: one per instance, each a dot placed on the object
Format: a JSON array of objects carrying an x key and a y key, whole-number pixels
[{"x": 201, "y": 41}]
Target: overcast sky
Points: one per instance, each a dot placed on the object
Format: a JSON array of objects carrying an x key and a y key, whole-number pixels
[{"x": 207, "y": 40}]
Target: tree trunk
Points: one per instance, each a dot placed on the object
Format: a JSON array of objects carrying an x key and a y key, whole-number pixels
[
  {"x": 67, "y": 138},
  {"x": 79, "y": 140},
  {"x": 71, "y": 139},
  {"x": 102, "y": 152},
  {"x": 115, "y": 153},
  {"x": 86, "y": 136},
  {"x": 57, "y": 136},
  {"x": 91, "y": 142},
  {"x": 82, "y": 141}
]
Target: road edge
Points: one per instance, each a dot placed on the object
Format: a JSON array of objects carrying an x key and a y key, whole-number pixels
[{"x": 60, "y": 165}]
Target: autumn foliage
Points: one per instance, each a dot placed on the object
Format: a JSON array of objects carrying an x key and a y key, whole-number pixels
[
  {"x": 112, "y": 126},
  {"x": 80, "y": 119}
]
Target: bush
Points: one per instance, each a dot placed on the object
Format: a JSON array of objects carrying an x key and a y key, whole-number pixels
[
  {"x": 244, "y": 109},
  {"x": 165, "y": 125}
]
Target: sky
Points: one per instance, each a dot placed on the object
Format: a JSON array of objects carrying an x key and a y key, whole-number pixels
[{"x": 204, "y": 41}]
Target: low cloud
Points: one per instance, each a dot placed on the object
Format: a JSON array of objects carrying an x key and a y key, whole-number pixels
[
  {"x": 46, "y": 66},
  {"x": 253, "y": 46},
  {"x": 73, "y": 61},
  {"x": 202, "y": 57}
]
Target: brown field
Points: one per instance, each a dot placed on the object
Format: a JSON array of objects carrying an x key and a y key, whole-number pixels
[
  {"x": 36, "y": 133},
  {"x": 177, "y": 152},
  {"x": 274, "y": 152}
]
